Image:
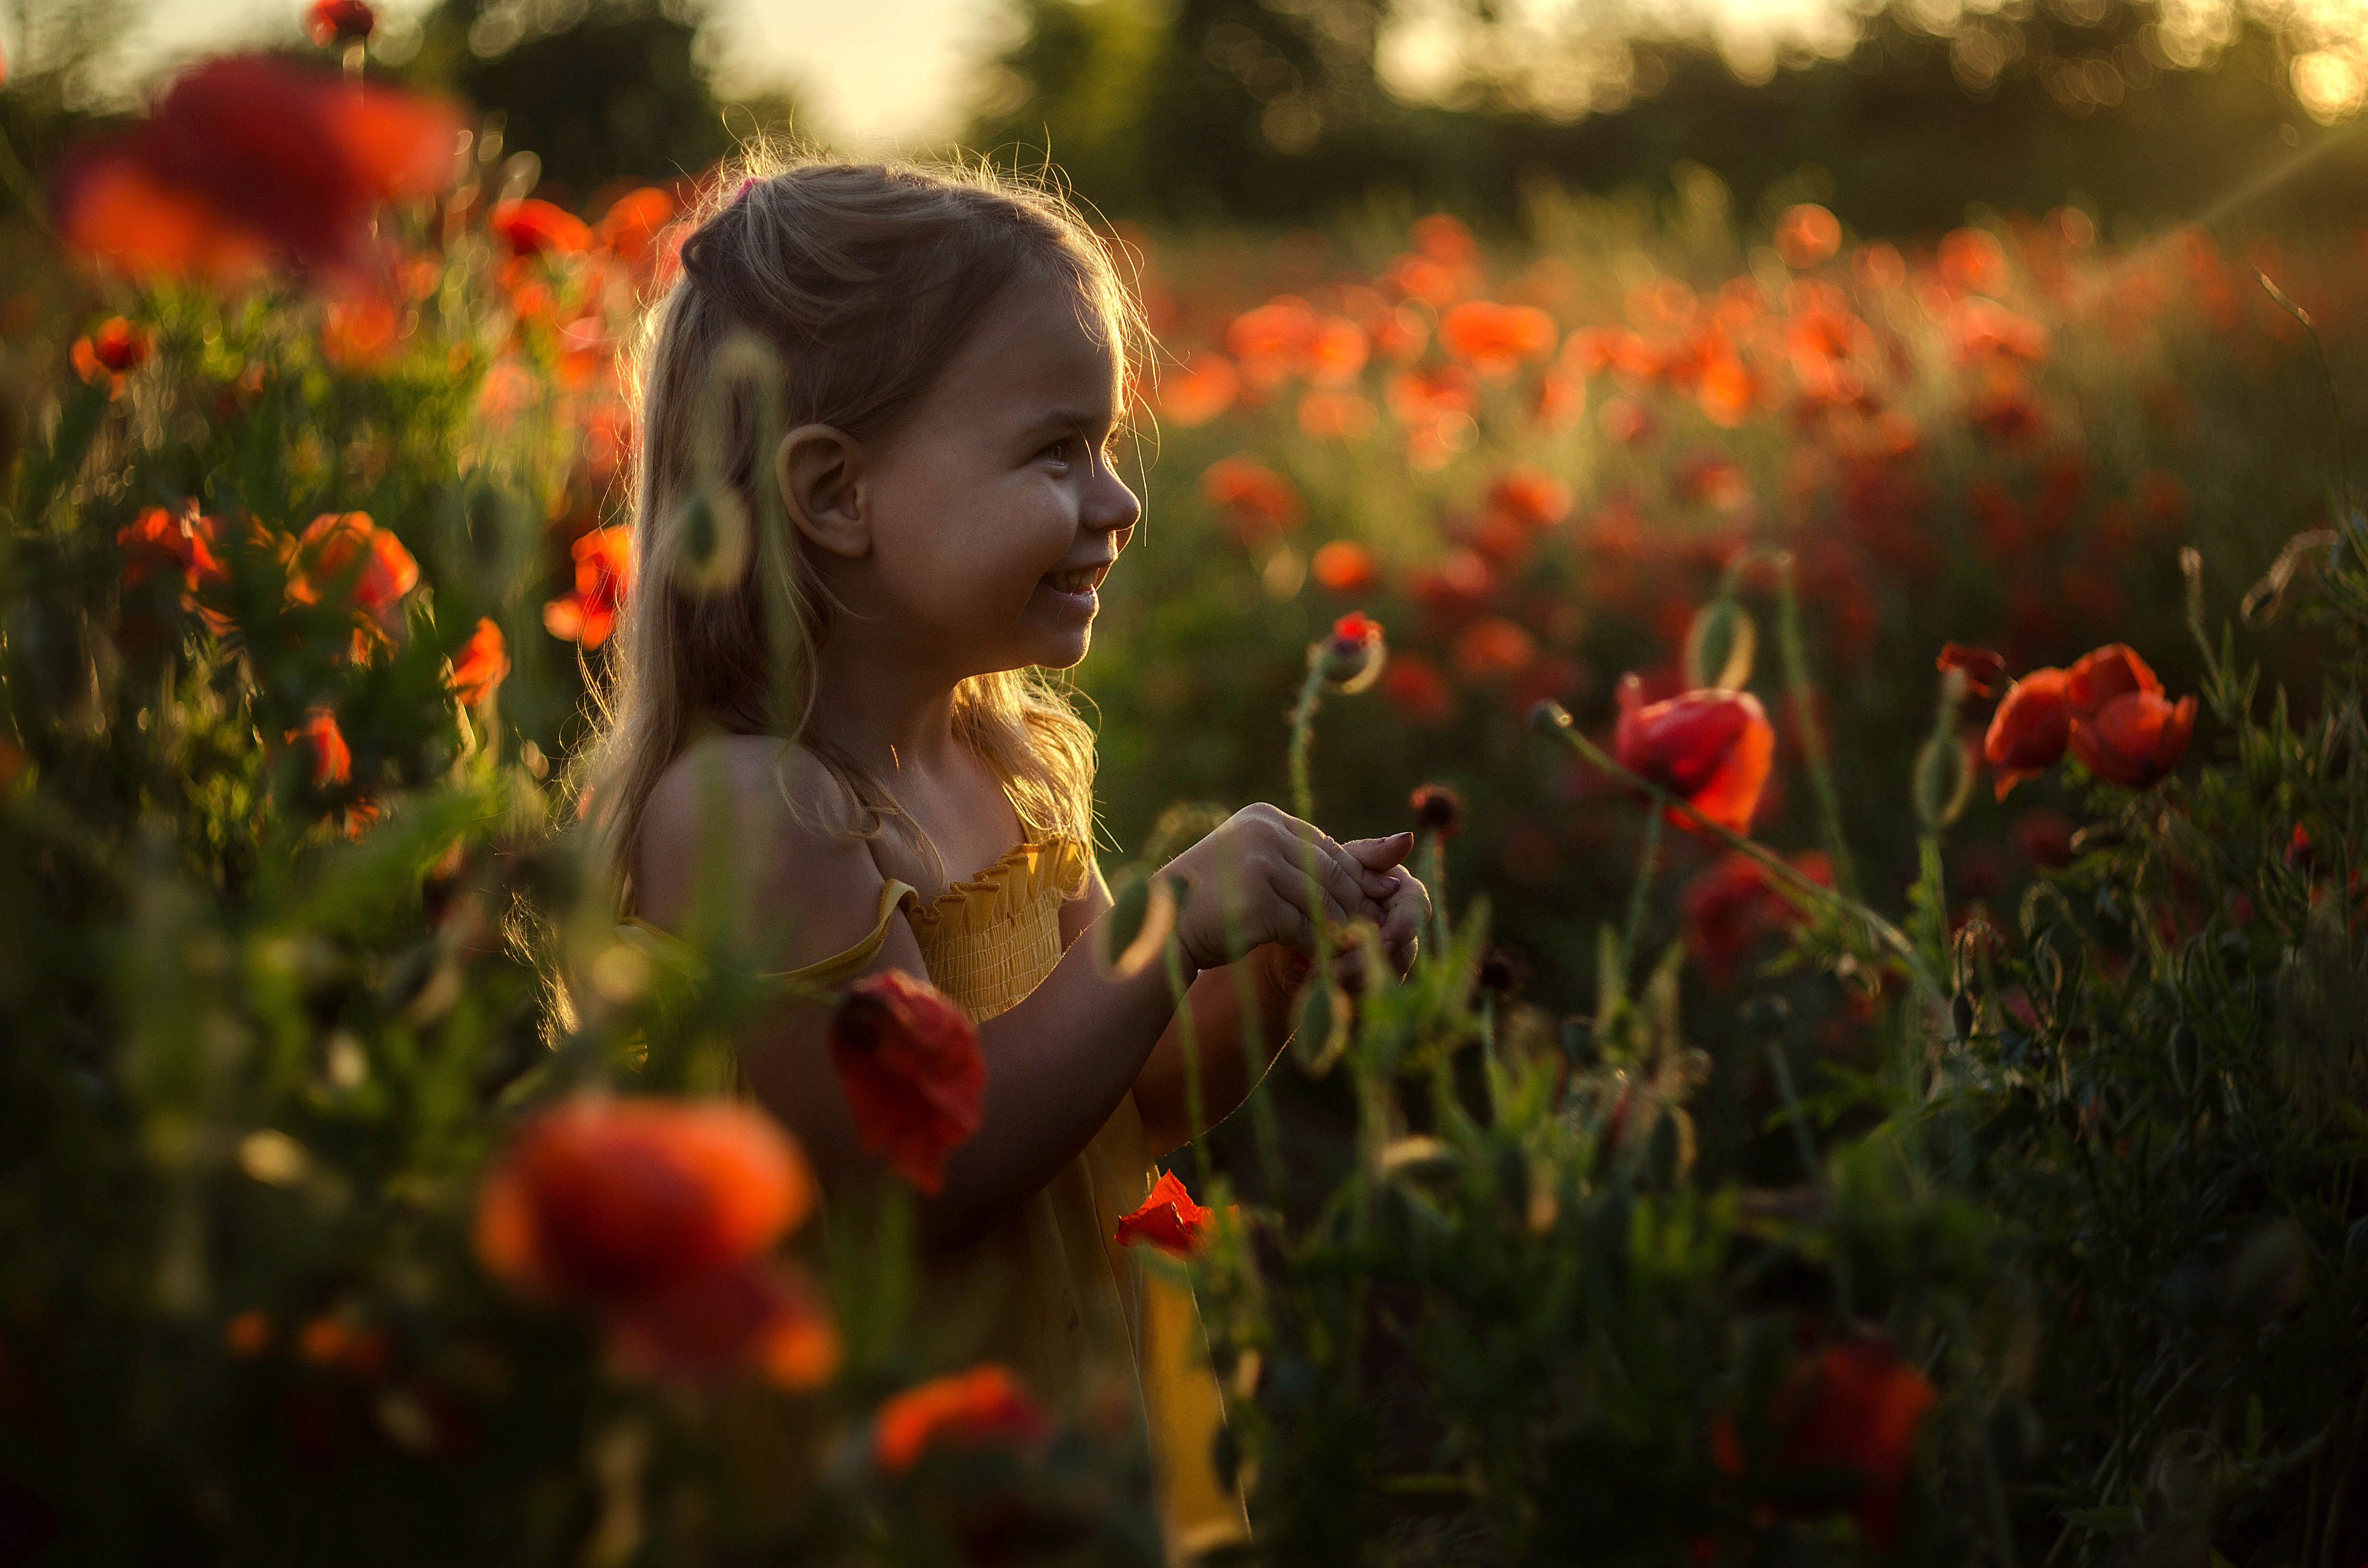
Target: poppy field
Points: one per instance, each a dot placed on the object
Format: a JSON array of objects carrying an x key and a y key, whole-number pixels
[{"x": 1882, "y": 718}]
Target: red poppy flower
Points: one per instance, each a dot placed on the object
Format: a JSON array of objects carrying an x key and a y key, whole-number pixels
[
  {"x": 1197, "y": 391},
  {"x": 631, "y": 227},
  {"x": 358, "y": 334},
  {"x": 2029, "y": 729},
  {"x": 2096, "y": 678},
  {"x": 1807, "y": 235},
  {"x": 1495, "y": 339},
  {"x": 658, "y": 1213},
  {"x": 1344, "y": 566},
  {"x": 1259, "y": 503},
  {"x": 345, "y": 551},
  {"x": 908, "y": 1059},
  {"x": 536, "y": 228},
  {"x": 1415, "y": 688},
  {"x": 604, "y": 575},
  {"x": 111, "y": 352},
  {"x": 1861, "y": 1410},
  {"x": 1711, "y": 749},
  {"x": 755, "y": 1313},
  {"x": 1729, "y": 905},
  {"x": 480, "y": 665},
  {"x": 247, "y": 156},
  {"x": 333, "y": 760},
  {"x": 1168, "y": 1219},
  {"x": 158, "y": 542},
  {"x": 2135, "y": 738},
  {"x": 1352, "y": 658},
  {"x": 984, "y": 1404},
  {"x": 1493, "y": 647},
  {"x": 1531, "y": 496},
  {"x": 339, "y": 21},
  {"x": 1983, "y": 669},
  {"x": 606, "y": 1200}
]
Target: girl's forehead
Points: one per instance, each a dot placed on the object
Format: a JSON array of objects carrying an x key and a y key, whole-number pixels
[{"x": 1044, "y": 338}]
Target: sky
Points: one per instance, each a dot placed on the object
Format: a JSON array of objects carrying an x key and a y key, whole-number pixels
[{"x": 875, "y": 73}]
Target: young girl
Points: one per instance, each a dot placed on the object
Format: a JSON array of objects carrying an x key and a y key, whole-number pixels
[{"x": 956, "y": 353}]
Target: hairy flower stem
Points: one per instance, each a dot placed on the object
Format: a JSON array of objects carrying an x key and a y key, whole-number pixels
[
  {"x": 1641, "y": 893},
  {"x": 1196, "y": 1116},
  {"x": 1812, "y": 744},
  {"x": 1303, "y": 793},
  {"x": 1555, "y": 721}
]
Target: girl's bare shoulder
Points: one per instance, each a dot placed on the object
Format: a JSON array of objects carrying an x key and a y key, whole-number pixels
[{"x": 766, "y": 808}]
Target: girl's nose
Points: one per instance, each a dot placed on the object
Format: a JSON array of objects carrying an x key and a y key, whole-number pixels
[{"x": 1109, "y": 504}]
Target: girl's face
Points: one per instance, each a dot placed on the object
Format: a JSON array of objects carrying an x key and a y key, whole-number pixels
[{"x": 995, "y": 512}]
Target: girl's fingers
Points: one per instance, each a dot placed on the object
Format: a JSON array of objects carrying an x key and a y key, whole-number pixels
[{"x": 1380, "y": 854}]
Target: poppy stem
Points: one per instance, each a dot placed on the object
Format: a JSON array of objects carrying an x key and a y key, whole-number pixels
[
  {"x": 1196, "y": 1116},
  {"x": 1555, "y": 721},
  {"x": 1646, "y": 863},
  {"x": 1813, "y": 743}
]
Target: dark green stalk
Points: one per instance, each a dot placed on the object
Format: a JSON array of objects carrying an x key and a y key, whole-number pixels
[
  {"x": 1640, "y": 892},
  {"x": 1813, "y": 743}
]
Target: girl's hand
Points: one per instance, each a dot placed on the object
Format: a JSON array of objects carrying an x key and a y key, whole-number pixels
[
  {"x": 1404, "y": 906},
  {"x": 1250, "y": 886}
]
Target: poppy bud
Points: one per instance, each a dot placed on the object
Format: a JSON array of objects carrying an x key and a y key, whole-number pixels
[
  {"x": 1944, "y": 776},
  {"x": 1983, "y": 671},
  {"x": 1351, "y": 658},
  {"x": 1438, "y": 809},
  {"x": 2029, "y": 729},
  {"x": 1719, "y": 646},
  {"x": 908, "y": 1059},
  {"x": 2135, "y": 738},
  {"x": 1711, "y": 749}
]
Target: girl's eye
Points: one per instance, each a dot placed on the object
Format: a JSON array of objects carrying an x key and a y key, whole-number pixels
[{"x": 1059, "y": 450}]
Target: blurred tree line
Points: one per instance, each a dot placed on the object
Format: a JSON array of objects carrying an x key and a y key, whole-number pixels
[{"x": 1278, "y": 110}]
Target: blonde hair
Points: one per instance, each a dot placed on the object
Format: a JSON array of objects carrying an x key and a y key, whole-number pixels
[{"x": 849, "y": 287}]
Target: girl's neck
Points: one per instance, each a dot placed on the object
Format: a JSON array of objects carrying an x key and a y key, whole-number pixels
[{"x": 884, "y": 716}]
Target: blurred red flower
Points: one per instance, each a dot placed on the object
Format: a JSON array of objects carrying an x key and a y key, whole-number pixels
[
  {"x": 1258, "y": 501},
  {"x": 1414, "y": 686},
  {"x": 1735, "y": 901},
  {"x": 1197, "y": 391},
  {"x": 1437, "y": 809},
  {"x": 158, "y": 542},
  {"x": 1494, "y": 647},
  {"x": 657, "y": 1214},
  {"x": 1983, "y": 670},
  {"x": 1344, "y": 566},
  {"x": 1711, "y": 749},
  {"x": 530, "y": 227},
  {"x": 356, "y": 334},
  {"x": 1326, "y": 415},
  {"x": 1973, "y": 259},
  {"x": 1857, "y": 1406},
  {"x": 339, "y": 21},
  {"x": 346, "y": 552},
  {"x": 1530, "y": 495},
  {"x": 628, "y": 230},
  {"x": 249, "y": 156},
  {"x": 1496, "y": 339},
  {"x": 2135, "y": 738},
  {"x": 333, "y": 761},
  {"x": 984, "y": 1404},
  {"x": 908, "y": 1060},
  {"x": 1166, "y": 1219},
  {"x": 604, "y": 575},
  {"x": 112, "y": 351},
  {"x": 2029, "y": 729},
  {"x": 601, "y": 1199},
  {"x": 1807, "y": 235},
  {"x": 480, "y": 665}
]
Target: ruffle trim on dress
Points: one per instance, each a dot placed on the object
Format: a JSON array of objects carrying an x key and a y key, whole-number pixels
[{"x": 1010, "y": 887}]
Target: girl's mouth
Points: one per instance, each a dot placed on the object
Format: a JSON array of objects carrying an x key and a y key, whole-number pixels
[{"x": 1079, "y": 581}]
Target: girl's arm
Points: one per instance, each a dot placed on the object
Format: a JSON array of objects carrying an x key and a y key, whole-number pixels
[
  {"x": 1241, "y": 1013},
  {"x": 1058, "y": 1062}
]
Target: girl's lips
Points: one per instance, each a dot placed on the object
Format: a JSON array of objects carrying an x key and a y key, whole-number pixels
[{"x": 1082, "y": 603}]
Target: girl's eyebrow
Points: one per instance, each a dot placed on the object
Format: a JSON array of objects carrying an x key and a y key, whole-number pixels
[{"x": 1068, "y": 419}]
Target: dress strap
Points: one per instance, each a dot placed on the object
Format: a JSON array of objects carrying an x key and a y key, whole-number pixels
[{"x": 836, "y": 970}]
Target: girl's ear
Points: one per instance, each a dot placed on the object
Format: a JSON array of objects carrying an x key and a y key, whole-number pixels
[{"x": 821, "y": 473}]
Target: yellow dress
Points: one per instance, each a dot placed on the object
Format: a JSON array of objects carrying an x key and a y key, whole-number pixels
[{"x": 1047, "y": 1291}]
